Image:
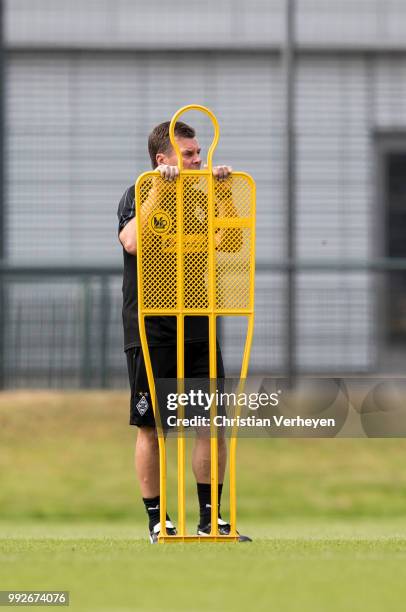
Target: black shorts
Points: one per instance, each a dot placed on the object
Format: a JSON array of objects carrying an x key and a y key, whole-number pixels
[{"x": 164, "y": 362}]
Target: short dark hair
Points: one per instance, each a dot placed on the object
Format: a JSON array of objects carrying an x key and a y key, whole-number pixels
[{"x": 159, "y": 141}]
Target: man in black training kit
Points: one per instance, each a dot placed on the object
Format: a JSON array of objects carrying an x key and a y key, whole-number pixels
[{"x": 161, "y": 334}]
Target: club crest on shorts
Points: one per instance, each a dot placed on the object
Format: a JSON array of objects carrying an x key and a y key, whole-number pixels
[{"x": 142, "y": 405}]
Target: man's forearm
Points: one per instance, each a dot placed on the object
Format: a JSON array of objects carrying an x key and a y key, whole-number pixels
[{"x": 128, "y": 237}]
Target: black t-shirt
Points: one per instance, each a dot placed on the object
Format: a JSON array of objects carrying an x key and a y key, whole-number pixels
[{"x": 161, "y": 331}]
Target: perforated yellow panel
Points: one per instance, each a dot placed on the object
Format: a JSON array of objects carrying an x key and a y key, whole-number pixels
[
  {"x": 195, "y": 256},
  {"x": 177, "y": 237}
]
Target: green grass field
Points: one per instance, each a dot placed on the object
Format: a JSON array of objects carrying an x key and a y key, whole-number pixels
[
  {"x": 327, "y": 517},
  {"x": 291, "y": 566}
]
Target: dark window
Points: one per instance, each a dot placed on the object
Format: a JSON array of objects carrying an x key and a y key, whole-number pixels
[{"x": 395, "y": 196}]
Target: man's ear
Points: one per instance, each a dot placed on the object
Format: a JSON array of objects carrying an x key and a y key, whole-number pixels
[{"x": 160, "y": 158}]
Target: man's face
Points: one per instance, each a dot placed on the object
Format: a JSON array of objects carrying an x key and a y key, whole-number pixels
[{"x": 190, "y": 149}]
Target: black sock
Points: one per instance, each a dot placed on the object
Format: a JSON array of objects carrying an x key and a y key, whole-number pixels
[
  {"x": 204, "y": 495},
  {"x": 152, "y": 508}
]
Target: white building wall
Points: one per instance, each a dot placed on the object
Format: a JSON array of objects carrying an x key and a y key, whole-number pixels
[
  {"x": 78, "y": 123},
  {"x": 208, "y": 23}
]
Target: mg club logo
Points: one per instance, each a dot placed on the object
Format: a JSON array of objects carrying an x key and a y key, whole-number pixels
[{"x": 160, "y": 222}]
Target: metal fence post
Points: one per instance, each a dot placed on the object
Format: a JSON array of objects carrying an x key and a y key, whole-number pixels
[
  {"x": 288, "y": 62},
  {"x": 3, "y": 302},
  {"x": 104, "y": 329},
  {"x": 2, "y": 328},
  {"x": 86, "y": 369}
]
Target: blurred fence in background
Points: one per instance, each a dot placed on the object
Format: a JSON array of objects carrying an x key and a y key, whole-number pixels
[
  {"x": 63, "y": 328},
  {"x": 83, "y": 82}
]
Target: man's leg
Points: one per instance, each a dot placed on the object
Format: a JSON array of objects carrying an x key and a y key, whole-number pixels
[
  {"x": 147, "y": 461},
  {"x": 147, "y": 470},
  {"x": 146, "y": 446},
  {"x": 201, "y": 469},
  {"x": 201, "y": 458},
  {"x": 197, "y": 360}
]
